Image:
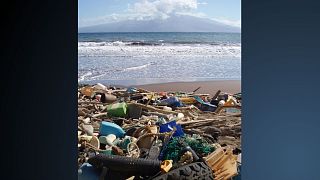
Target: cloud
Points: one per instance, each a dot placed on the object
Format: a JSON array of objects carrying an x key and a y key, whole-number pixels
[
  {"x": 156, "y": 9},
  {"x": 236, "y": 23},
  {"x": 102, "y": 19},
  {"x": 161, "y": 8},
  {"x": 202, "y": 3},
  {"x": 145, "y": 10},
  {"x": 198, "y": 14}
]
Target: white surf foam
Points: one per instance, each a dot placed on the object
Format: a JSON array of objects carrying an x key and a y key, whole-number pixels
[
  {"x": 120, "y": 49},
  {"x": 83, "y": 77},
  {"x": 137, "y": 67}
]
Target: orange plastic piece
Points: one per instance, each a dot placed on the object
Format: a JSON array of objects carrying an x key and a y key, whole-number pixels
[{"x": 88, "y": 91}]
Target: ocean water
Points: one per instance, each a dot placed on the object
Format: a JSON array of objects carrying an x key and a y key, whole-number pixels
[{"x": 144, "y": 58}]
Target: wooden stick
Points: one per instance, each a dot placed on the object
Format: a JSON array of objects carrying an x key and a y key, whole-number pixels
[
  {"x": 92, "y": 102},
  {"x": 216, "y": 95},
  {"x": 153, "y": 108},
  {"x": 197, "y": 121},
  {"x": 100, "y": 114},
  {"x": 196, "y": 89}
]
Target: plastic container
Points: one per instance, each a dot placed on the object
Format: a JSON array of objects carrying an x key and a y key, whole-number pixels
[
  {"x": 117, "y": 109},
  {"x": 168, "y": 127},
  {"x": 107, "y": 128},
  {"x": 134, "y": 111},
  {"x": 108, "y": 140},
  {"x": 100, "y": 86},
  {"x": 108, "y": 98},
  {"x": 171, "y": 101}
]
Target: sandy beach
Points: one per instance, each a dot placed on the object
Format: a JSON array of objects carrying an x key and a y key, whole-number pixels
[{"x": 208, "y": 87}]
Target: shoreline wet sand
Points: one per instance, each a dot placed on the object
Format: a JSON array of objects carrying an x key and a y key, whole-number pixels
[{"x": 208, "y": 87}]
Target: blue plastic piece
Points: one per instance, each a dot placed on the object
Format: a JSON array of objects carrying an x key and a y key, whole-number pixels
[
  {"x": 204, "y": 105},
  {"x": 168, "y": 127},
  {"x": 107, "y": 128},
  {"x": 131, "y": 90},
  {"x": 172, "y": 101},
  {"x": 87, "y": 172}
]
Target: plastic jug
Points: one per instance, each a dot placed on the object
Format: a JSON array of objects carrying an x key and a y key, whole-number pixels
[
  {"x": 107, "y": 128},
  {"x": 117, "y": 109}
]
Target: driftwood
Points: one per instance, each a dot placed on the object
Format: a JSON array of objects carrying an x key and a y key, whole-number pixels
[
  {"x": 220, "y": 108},
  {"x": 92, "y": 102},
  {"x": 197, "y": 121},
  {"x": 100, "y": 114},
  {"x": 157, "y": 114},
  {"x": 196, "y": 90},
  {"x": 148, "y": 107},
  {"x": 216, "y": 95},
  {"x": 191, "y": 115}
]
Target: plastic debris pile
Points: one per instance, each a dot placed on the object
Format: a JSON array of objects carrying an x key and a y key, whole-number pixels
[{"x": 131, "y": 133}]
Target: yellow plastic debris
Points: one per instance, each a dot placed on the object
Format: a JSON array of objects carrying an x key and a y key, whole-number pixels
[
  {"x": 187, "y": 100},
  {"x": 166, "y": 165},
  {"x": 223, "y": 163},
  {"x": 230, "y": 102}
]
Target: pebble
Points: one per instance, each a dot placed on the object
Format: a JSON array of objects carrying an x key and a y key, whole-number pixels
[{"x": 88, "y": 129}]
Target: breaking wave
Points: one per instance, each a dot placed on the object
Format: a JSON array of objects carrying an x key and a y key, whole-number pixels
[{"x": 139, "y": 67}]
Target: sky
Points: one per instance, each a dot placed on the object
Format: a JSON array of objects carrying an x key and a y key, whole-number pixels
[{"x": 93, "y": 12}]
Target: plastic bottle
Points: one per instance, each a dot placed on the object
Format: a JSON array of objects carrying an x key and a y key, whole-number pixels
[
  {"x": 100, "y": 86},
  {"x": 107, "y": 128}
]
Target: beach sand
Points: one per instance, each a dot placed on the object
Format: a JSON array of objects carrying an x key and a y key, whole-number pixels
[{"x": 207, "y": 87}]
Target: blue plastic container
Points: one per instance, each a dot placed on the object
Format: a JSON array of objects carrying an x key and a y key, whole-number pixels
[
  {"x": 169, "y": 127},
  {"x": 171, "y": 101},
  {"x": 107, "y": 128}
]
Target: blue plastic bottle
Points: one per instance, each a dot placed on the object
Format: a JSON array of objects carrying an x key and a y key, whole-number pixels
[{"x": 107, "y": 128}]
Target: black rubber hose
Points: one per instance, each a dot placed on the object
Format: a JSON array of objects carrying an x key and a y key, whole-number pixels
[{"x": 136, "y": 166}]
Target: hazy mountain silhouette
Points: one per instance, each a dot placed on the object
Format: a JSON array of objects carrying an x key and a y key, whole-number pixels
[{"x": 177, "y": 23}]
